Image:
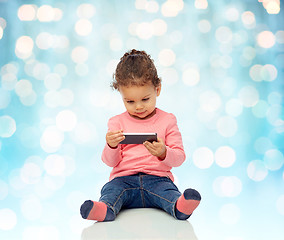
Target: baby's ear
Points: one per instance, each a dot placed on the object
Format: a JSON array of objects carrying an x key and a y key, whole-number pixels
[{"x": 158, "y": 89}]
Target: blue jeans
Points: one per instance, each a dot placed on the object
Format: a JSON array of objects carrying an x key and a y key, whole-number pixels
[{"x": 140, "y": 191}]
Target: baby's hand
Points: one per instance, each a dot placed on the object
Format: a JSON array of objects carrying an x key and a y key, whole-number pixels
[
  {"x": 157, "y": 149},
  {"x": 114, "y": 138}
]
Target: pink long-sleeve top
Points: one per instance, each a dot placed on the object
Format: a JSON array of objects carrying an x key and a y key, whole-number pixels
[{"x": 128, "y": 159}]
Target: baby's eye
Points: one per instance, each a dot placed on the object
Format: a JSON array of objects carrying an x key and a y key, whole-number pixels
[
  {"x": 130, "y": 102},
  {"x": 145, "y": 99}
]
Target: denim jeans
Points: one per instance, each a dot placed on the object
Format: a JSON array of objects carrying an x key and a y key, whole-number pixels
[{"x": 140, "y": 191}]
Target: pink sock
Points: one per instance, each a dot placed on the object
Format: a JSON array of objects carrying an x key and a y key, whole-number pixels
[
  {"x": 98, "y": 212},
  {"x": 94, "y": 210},
  {"x": 188, "y": 201}
]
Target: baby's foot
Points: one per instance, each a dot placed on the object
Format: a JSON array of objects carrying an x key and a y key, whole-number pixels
[
  {"x": 93, "y": 210},
  {"x": 187, "y": 203}
]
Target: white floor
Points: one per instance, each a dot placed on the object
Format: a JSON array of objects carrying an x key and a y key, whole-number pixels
[{"x": 140, "y": 224}]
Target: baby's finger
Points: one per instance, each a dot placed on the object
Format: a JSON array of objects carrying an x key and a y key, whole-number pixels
[
  {"x": 156, "y": 144},
  {"x": 115, "y": 132},
  {"x": 114, "y": 135},
  {"x": 148, "y": 144},
  {"x": 121, "y": 138},
  {"x": 151, "y": 148}
]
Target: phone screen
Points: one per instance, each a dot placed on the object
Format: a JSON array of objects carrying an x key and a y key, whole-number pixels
[{"x": 139, "y": 138}]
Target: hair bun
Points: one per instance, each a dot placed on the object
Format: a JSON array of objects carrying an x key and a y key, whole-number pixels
[
  {"x": 135, "y": 68},
  {"x": 134, "y": 52}
]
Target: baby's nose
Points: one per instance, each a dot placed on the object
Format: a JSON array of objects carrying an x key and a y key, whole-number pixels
[{"x": 139, "y": 106}]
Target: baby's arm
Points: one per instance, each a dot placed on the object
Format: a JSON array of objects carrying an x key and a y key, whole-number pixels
[
  {"x": 157, "y": 149},
  {"x": 113, "y": 138},
  {"x": 171, "y": 151},
  {"x": 175, "y": 151},
  {"x": 111, "y": 154}
]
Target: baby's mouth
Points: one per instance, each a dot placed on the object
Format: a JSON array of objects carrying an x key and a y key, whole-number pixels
[{"x": 140, "y": 113}]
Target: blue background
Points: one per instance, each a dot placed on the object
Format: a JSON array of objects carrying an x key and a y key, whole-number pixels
[{"x": 222, "y": 72}]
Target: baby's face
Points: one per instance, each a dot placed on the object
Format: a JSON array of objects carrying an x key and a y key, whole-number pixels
[{"x": 140, "y": 101}]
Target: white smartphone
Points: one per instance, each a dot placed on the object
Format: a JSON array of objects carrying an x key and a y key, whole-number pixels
[{"x": 138, "y": 138}]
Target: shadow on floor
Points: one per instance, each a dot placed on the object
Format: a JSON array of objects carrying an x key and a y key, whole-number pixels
[{"x": 141, "y": 223}]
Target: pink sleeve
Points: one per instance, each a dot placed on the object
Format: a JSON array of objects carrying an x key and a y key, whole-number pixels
[
  {"x": 112, "y": 156},
  {"x": 175, "y": 152}
]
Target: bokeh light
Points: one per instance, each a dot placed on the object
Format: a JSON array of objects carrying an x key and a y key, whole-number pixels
[
  {"x": 66, "y": 120},
  {"x": 171, "y": 8},
  {"x": 24, "y": 47},
  {"x": 167, "y": 57},
  {"x": 273, "y": 159},
  {"x": 52, "y": 139},
  {"x": 79, "y": 54},
  {"x": 256, "y": 170},
  {"x": 27, "y": 12},
  {"x": 31, "y": 173},
  {"x": 210, "y": 101},
  {"x": 203, "y": 157},
  {"x": 8, "y": 219},
  {"x": 54, "y": 165},
  {"x": 225, "y": 156},
  {"x": 204, "y": 26},
  {"x": 248, "y": 19},
  {"x": 7, "y": 126},
  {"x": 266, "y": 39},
  {"x": 191, "y": 76},
  {"x": 83, "y": 27},
  {"x": 249, "y": 96},
  {"x": 227, "y": 186},
  {"x": 86, "y": 10},
  {"x": 201, "y": 4}
]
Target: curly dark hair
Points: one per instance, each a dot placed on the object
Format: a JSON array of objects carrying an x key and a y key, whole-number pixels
[{"x": 135, "y": 68}]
